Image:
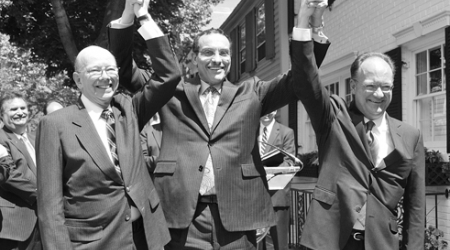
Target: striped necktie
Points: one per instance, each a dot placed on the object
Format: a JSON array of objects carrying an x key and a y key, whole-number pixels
[
  {"x": 373, "y": 145},
  {"x": 111, "y": 134},
  {"x": 262, "y": 148}
]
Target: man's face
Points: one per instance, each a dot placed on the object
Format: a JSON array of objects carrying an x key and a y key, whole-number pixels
[
  {"x": 15, "y": 114},
  {"x": 98, "y": 79},
  {"x": 267, "y": 119},
  {"x": 373, "y": 87},
  {"x": 213, "y": 59}
]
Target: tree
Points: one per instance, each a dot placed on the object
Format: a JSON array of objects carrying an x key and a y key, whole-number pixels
[
  {"x": 55, "y": 30},
  {"x": 19, "y": 74}
]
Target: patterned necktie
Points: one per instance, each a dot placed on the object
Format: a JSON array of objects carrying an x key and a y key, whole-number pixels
[
  {"x": 207, "y": 185},
  {"x": 208, "y": 105},
  {"x": 111, "y": 134},
  {"x": 373, "y": 145},
  {"x": 262, "y": 148}
]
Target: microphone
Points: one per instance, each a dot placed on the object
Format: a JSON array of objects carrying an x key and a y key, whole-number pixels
[{"x": 297, "y": 161}]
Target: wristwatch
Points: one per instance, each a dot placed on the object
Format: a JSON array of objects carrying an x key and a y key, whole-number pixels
[{"x": 143, "y": 18}]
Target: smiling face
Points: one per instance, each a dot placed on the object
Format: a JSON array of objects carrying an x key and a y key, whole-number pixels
[
  {"x": 96, "y": 75},
  {"x": 267, "y": 119},
  {"x": 214, "y": 58},
  {"x": 15, "y": 115},
  {"x": 372, "y": 87}
]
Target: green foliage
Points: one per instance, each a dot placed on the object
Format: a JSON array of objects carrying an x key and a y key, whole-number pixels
[
  {"x": 433, "y": 158},
  {"x": 433, "y": 239},
  {"x": 31, "y": 25},
  {"x": 18, "y": 72}
]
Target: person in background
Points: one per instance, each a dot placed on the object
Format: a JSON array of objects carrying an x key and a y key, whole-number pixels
[
  {"x": 52, "y": 105},
  {"x": 18, "y": 218},
  {"x": 151, "y": 142},
  {"x": 368, "y": 161},
  {"x": 94, "y": 189},
  {"x": 275, "y": 133},
  {"x": 209, "y": 174}
]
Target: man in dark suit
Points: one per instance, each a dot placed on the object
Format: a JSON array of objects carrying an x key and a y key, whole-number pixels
[
  {"x": 18, "y": 219},
  {"x": 151, "y": 142},
  {"x": 94, "y": 188},
  {"x": 283, "y": 137},
  {"x": 364, "y": 170},
  {"x": 209, "y": 174}
]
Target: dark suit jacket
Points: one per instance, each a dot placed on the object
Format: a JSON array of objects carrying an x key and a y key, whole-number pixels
[
  {"x": 151, "y": 143},
  {"x": 282, "y": 137},
  {"x": 18, "y": 191},
  {"x": 240, "y": 180},
  {"x": 83, "y": 203},
  {"x": 347, "y": 179}
]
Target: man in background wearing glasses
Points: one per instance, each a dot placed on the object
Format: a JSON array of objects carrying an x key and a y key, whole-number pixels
[
  {"x": 94, "y": 189},
  {"x": 368, "y": 162}
]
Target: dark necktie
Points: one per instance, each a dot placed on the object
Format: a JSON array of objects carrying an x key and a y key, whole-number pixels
[
  {"x": 111, "y": 134},
  {"x": 264, "y": 141},
  {"x": 373, "y": 145}
]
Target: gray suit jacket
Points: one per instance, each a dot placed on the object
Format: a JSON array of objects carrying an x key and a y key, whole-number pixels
[
  {"x": 240, "y": 180},
  {"x": 17, "y": 191},
  {"x": 347, "y": 179},
  {"x": 83, "y": 202}
]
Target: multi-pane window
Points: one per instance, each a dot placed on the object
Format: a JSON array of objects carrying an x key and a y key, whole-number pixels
[
  {"x": 333, "y": 89},
  {"x": 242, "y": 46},
  {"x": 261, "y": 32},
  {"x": 430, "y": 99},
  {"x": 430, "y": 74},
  {"x": 348, "y": 91}
]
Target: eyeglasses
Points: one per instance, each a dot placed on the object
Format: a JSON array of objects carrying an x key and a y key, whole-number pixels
[
  {"x": 111, "y": 71},
  {"x": 212, "y": 52},
  {"x": 373, "y": 87}
]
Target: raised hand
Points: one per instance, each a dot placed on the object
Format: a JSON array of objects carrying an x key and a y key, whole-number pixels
[{"x": 305, "y": 9}]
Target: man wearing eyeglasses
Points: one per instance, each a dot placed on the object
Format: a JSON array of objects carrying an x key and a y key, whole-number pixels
[
  {"x": 94, "y": 189},
  {"x": 368, "y": 162},
  {"x": 209, "y": 175}
]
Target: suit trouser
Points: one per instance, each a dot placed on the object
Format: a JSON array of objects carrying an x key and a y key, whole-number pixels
[
  {"x": 139, "y": 239},
  {"x": 32, "y": 243},
  {"x": 280, "y": 232},
  {"x": 206, "y": 232}
]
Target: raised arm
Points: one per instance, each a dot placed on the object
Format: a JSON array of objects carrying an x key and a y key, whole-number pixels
[{"x": 160, "y": 87}]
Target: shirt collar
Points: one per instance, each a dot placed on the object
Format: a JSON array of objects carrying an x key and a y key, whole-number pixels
[
  {"x": 94, "y": 110},
  {"x": 380, "y": 122},
  {"x": 269, "y": 127},
  {"x": 204, "y": 86}
]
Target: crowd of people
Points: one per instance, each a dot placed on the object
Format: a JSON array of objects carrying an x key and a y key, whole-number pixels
[{"x": 178, "y": 165}]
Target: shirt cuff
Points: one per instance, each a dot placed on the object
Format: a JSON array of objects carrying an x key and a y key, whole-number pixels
[
  {"x": 301, "y": 34},
  {"x": 116, "y": 24},
  {"x": 150, "y": 30}
]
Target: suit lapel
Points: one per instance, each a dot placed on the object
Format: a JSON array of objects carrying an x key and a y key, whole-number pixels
[
  {"x": 226, "y": 97},
  {"x": 397, "y": 140},
  {"x": 157, "y": 136},
  {"x": 191, "y": 90},
  {"x": 20, "y": 145},
  {"x": 87, "y": 135},
  {"x": 122, "y": 134},
  {"x": 362, "y": 149}
]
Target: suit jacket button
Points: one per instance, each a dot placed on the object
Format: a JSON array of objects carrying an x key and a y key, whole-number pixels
[
  {"x": 128, "y": 189},
  {"x": 358, "y": 209},
  {"x": 200, "y": 168},
  {"x": 127, "y": 218}
]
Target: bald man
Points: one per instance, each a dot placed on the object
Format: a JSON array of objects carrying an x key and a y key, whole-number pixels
[{"x": 94, "y": 190}]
